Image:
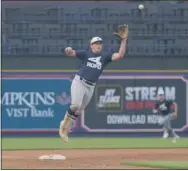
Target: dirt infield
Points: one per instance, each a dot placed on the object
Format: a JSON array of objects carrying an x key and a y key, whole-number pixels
[{"x": 88, "y": 159}]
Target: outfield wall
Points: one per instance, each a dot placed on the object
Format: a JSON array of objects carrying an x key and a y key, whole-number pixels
[{"x": 34, "y": 102}]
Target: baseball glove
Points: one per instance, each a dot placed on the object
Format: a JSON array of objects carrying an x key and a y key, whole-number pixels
[{"x": 122, "y": 31}]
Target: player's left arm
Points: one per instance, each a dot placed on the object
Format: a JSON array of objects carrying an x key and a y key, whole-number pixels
[
  {"x": 122, "y": 51},
  {"x": 175, "y": 107}
]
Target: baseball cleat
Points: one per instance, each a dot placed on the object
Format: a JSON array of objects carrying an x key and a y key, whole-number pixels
[
  {"x": 175, "y": 139},
  {"x": 63, "y": 132},
  {"x": 65, "y": 126},
  {"x": 165, "y": 135}
]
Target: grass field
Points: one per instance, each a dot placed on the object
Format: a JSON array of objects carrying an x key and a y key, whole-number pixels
[
  {"x": 159, "y": 164},
  {"x": 90, "y": 143}
]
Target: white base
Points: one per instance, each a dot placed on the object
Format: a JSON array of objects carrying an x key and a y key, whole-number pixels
[{"x": 52, "y": 157}]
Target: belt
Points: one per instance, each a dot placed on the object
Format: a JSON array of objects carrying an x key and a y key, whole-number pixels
[{"x": 87, "y": 82}]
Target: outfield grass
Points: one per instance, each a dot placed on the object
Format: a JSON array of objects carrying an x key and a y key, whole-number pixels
[
  {"x": 90, "y": 143},
  {"x": 159, "y": 164}
]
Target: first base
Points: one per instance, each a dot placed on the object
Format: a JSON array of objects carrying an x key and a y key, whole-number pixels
[{"x": 52, "y": 157}]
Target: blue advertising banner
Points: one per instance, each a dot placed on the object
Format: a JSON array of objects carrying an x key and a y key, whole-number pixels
[{"x": 34, "y": 103}]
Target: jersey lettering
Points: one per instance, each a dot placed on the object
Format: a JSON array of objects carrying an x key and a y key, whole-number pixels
[
  {"x": 162, "y": 107},
  {"x": 97, "y": 63},
  {"x": 93, "y": 64}
]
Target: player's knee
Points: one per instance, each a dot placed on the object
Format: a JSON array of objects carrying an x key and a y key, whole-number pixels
[
  {"x": 75, "y": 107},
  {"x": 169, "y": 130},
  {"x": 72, "y": 111},
  {"x": 80, "y": 112}
]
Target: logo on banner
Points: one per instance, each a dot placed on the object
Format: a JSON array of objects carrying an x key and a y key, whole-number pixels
[
  {"x": 109, "y": 98},
  {"x": 33, "y": 104},
  {"x": 137, "y": 98},
  {"x": 63, "y": 98}
]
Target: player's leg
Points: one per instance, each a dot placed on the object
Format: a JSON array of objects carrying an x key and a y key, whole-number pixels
[
  {"x": 77, "y": 94},
  {"x": 163, "y": 122},
  {"x": 168, "y": 126},
  {"x": 170, "y": 130},
  {"x": 87, "y": 98},
  {"x": 165, "y": 133}
]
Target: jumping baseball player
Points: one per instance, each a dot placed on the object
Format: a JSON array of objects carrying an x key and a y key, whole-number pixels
[
  {"x": 164, "y": 107},
  {"x": 94, "y": 60}
]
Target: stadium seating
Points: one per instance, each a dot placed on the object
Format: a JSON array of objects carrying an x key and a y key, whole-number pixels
[{"x": 46, "y": 28}]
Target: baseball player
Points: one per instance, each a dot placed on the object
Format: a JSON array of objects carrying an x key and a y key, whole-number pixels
[
  {"x": 94, "y": 60},
  {"x": 164, "y": 107}
]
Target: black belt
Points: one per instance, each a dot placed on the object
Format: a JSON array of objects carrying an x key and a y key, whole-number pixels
[{"x": 87, "y": 82}]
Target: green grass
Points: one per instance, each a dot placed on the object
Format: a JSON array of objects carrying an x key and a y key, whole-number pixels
[
  {"x": 90, "y": 143},
  {"x": 159, "y": 164},
  {"x": 9, "y": 169}
]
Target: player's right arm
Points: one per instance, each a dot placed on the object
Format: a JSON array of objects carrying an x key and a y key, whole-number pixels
[
  {"x": 155, "y": 110},
  {"x": 70, "y": 52},
  {"x": 81, "y": 54}
]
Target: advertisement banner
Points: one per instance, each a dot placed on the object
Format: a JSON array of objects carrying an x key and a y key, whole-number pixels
[
  {"x": 34, "y": 103},
  {"x": 125, "y": 103}
]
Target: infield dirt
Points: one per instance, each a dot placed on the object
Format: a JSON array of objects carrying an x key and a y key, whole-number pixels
[{"x": 88, "y": 159}]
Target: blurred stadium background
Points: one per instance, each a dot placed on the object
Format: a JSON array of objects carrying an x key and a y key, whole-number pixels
[
  {"x": 32, "y": 30},
  {"x": 37, "y": 73}
]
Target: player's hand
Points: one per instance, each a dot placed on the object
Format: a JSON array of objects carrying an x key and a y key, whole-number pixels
[
  {"x": 174, "y": 115},
  {"x": 68, "y": 50}
]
